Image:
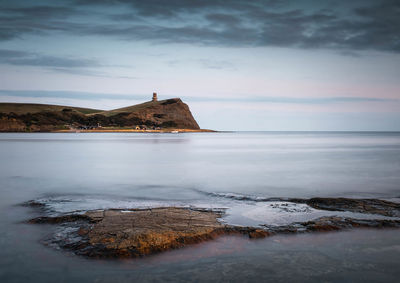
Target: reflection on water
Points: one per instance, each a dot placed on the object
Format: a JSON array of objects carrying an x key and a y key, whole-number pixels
[{"x": 83, "y": 171}]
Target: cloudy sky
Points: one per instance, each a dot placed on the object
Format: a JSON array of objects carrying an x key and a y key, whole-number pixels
[{"x": 240, "y": 65}]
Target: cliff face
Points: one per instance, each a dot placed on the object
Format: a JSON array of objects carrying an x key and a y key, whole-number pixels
[
  {"x": 165, "y": 114},
  {"x": 170, "y": 113}
]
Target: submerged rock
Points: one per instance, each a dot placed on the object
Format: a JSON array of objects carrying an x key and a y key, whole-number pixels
[
  {"x": 332, "y": 223},
  {"x": 371, "y": 206}
]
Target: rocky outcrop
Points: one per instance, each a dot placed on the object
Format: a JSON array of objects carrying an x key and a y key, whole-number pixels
[
  {"x": 139, "y": 232},
  {"x": 332, "y": 223},
  {"x": 133, "y": 233},
  {"x": 371, "y": 206}
]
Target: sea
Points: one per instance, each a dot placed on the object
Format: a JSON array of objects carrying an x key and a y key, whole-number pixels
[{"x": 247, "y": 175}]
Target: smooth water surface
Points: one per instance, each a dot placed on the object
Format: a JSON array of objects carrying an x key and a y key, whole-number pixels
[{"x": 72, "y": 172}]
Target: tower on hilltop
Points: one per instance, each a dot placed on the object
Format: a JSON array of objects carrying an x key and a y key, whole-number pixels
[{"x": 154, "y": 97}]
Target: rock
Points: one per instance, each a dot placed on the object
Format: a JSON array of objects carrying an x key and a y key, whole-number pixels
[
  {"x": 371, "y": 206},
  {"x": 60, "y": 219},
  {"x": 140, "y": 232},
  {"x": 332, "y": 223},
  {"x": 133, "y": 233}
]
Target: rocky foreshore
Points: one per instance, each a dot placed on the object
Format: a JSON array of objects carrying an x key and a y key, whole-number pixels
[
  {"x": 117, "y": 233},
  {"x": 370, "y": 206},
  {"x": 332, "y": 223},
  {"x": 133, "y": 233}
]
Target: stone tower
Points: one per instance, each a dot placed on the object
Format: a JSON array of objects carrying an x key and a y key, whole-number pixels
[{"x": 154, "y": 97}]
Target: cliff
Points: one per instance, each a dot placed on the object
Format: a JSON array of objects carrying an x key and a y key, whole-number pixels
[
  {"x": 170, "y": 113},
  {"x": 164, "y": 114}
]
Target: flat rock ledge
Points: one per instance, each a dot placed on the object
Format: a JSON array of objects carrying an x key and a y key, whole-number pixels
[
  {"x": 370, "y": 206},
  {"x": 134, "y": 233},
  {"x": 332, "y": 223},
  {"x": 116, "y": 233}
]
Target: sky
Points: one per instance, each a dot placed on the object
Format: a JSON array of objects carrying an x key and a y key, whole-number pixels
[{"x": 266, "y": 65}]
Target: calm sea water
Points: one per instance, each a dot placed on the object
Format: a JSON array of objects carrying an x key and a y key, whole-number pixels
[{"x": 71, "y": 172}]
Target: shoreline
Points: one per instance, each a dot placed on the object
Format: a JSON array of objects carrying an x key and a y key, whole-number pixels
[
  {"x": 175, "y": 131},
  {"x": 135, "y": 131}
]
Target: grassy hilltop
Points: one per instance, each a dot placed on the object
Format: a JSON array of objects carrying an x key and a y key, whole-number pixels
[{"x": 22, "y": 117}]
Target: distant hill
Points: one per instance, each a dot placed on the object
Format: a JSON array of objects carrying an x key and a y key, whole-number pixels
[
  {"x": 164, "y": 114},
  {"x": 24, "y": 108}
]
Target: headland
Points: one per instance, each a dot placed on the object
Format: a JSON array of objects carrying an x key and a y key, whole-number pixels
[{"x": 169, "y": 115}]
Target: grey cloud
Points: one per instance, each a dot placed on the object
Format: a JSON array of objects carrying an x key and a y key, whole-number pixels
[
  {"x": 372, "y": 25},
  {"x": 75, "y": 71},
  {"x": 216, "y": 64},
  {"x": 224, "y": 19},
  {"x": 14, "y": 57},
  {"x": 251, "y": 99},
  {"x": 19, "y": 20},
  {"x": 91, "y": 73},
  {"x": 174, "y": 7},
  {"x": 74, "y": 66},
  {"x": 70, "y": 95},
  {"x": 185, "y": 34},
  {"x": 39, "y": 12},
  {"x": 50, "y": 61},
  {"x": 297, "y": 100},
  {"x": 205, "y": 63}
]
